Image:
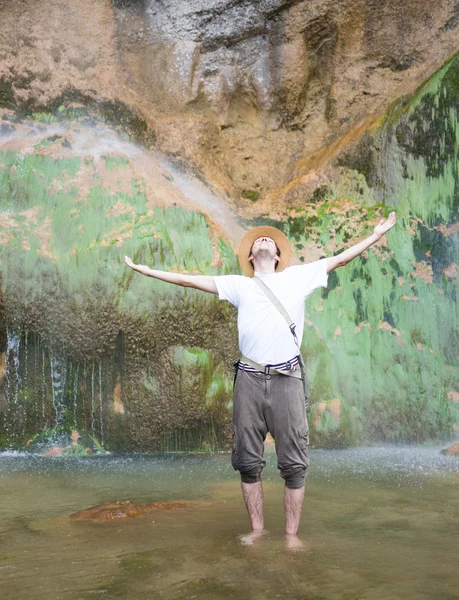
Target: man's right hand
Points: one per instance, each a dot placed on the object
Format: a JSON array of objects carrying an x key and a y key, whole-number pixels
[
  {"x": 129, "y": 262},
  {"x": 199, "y": 282}
]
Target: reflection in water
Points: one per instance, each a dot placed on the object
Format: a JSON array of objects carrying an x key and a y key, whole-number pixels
[{"x": 377, "y": 523}]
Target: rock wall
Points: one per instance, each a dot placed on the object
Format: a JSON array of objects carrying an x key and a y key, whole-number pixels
[
  {"x": 257, "y": 87},
  {"x": 163, "y": 131}
]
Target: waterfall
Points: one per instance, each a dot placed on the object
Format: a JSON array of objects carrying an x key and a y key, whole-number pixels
[
  {"x": 13, "y": 415},
  {"x": 92, "y": 399},
  {"x": 57, "y": 389},
  {"x": 75, "y": 394},
  {"x": 25, "y": 365},
  {"x": 43, "y": 386},
  {"x": 58, "y": 364},
  {"x": 13, "y": 380},
  {"x": 100, "y": 405}
]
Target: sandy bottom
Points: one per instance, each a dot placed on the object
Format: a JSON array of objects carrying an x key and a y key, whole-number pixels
[{"x": 377, "y": 523}]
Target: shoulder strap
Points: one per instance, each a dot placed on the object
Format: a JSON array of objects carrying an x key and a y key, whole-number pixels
[
  {"x": 291, "y": 325},
  {"x": 275, "y": 300}
]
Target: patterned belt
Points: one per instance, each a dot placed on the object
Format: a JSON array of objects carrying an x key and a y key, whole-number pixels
[{"x": 290, "y": 365}]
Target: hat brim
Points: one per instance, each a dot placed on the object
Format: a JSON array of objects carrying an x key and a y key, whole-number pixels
[{"x": 264, "y": 231}]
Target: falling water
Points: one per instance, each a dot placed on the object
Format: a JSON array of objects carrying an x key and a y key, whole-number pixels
[
  {"x": 75, "y": 393},
  {"x": 13, "y": 383},
  {"x": 13, "y": 380},
  {"x": 43, "y": 386},
  {"x": 35, "y": 363},
  {"x": 92, "y": 399},
  {"x": 25, "y": 366},
  {"x": 100, "y": 404},
  {"x": 58, "y": 378}
]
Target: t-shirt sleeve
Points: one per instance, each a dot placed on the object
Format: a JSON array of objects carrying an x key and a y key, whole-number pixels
[
  {"x": 308, "y": 278},
  {"x": 229, "y": 287}
]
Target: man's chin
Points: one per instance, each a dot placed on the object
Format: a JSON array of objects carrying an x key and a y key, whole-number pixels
[{"x": 264, "y": 255}]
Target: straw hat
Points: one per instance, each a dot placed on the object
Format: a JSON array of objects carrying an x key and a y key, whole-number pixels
[{"x": 264, "y": 231}]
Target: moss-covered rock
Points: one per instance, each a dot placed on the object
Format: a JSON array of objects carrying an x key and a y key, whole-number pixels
[
  {"x": 60, "y": 441},
  {"x": 144, "y": 365}
]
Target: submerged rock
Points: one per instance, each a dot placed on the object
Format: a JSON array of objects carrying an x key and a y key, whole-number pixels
[
  {"x": 452, "y": 450},
  {"x": 125, "y": 508}
]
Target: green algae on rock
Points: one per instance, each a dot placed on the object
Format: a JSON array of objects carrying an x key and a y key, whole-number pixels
[
  {"x": 81, "y": 331},
  {"x": 149, "y": 365}
]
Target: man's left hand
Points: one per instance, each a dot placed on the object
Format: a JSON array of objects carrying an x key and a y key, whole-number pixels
[{"x": 384, "y": 225}]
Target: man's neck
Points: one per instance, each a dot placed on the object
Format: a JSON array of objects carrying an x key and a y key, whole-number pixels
[{"x": 264, "y": 267}]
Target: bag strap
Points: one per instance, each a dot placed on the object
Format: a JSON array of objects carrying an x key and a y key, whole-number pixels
[{"x": 277, "y": 303}]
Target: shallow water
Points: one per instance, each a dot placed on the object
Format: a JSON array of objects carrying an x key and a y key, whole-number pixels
[{"x": 377, "y": 523}]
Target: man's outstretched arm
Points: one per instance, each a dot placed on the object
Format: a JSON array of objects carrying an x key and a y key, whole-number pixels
[
  {"x": 206, "y": 283},
  {"x": 340, "y": 260}
]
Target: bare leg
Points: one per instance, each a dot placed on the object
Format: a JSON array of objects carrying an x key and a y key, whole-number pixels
[
  {"x": 293, "y": 503},
  {"x": 253, "y": 498}
]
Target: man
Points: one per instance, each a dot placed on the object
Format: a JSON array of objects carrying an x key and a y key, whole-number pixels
[{"x": 263, "y": 401}]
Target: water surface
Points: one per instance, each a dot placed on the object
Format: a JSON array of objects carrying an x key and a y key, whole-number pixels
[{"x": 377, "y": 523}]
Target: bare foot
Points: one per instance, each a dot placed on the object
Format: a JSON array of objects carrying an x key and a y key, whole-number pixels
[
  {"x": 248, "y": 539},
  {"x": 293, "y": 543}
]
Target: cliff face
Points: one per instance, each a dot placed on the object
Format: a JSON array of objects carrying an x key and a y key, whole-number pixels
[
  {"x": 297, "y": 115},
  {"x": 255, "y": 86}
]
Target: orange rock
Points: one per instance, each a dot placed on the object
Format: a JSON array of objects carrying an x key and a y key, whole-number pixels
[
  {"x": 2, "y": 366},
  {"x": 452, "y": 450},
  {"x": 124, "y": 509},
  {"x": 55, "y": 451},
  {"x": 423, "y": 270},
  {"x": 451, "y": 271},
  {"x": 358, "y": 328},
  {"x": 75, "y": 437},
  {"x": 118, "y": 406},
  {"x": 453, "y": 396},
  {"x": 332, "y": 406},
  {"x": 447, "y": 230},
  {"x": 387, "y": 327},
  {"x": 269, "y": 442}
]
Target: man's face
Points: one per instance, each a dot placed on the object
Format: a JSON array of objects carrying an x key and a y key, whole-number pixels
[{"x": 264, "y": 247}]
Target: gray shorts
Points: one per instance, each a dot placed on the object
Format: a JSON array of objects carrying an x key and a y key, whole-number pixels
[{"x": 273, "y": 403}]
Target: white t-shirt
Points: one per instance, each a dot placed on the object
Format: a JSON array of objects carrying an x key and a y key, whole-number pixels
[{"x": 264, "y": 335}]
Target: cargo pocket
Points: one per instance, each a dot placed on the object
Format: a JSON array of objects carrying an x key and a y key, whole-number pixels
[
  {"x": 303, "y": 435},
  {"x": 233, "y": 447},
  {"x": 233, "y": 437}
]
